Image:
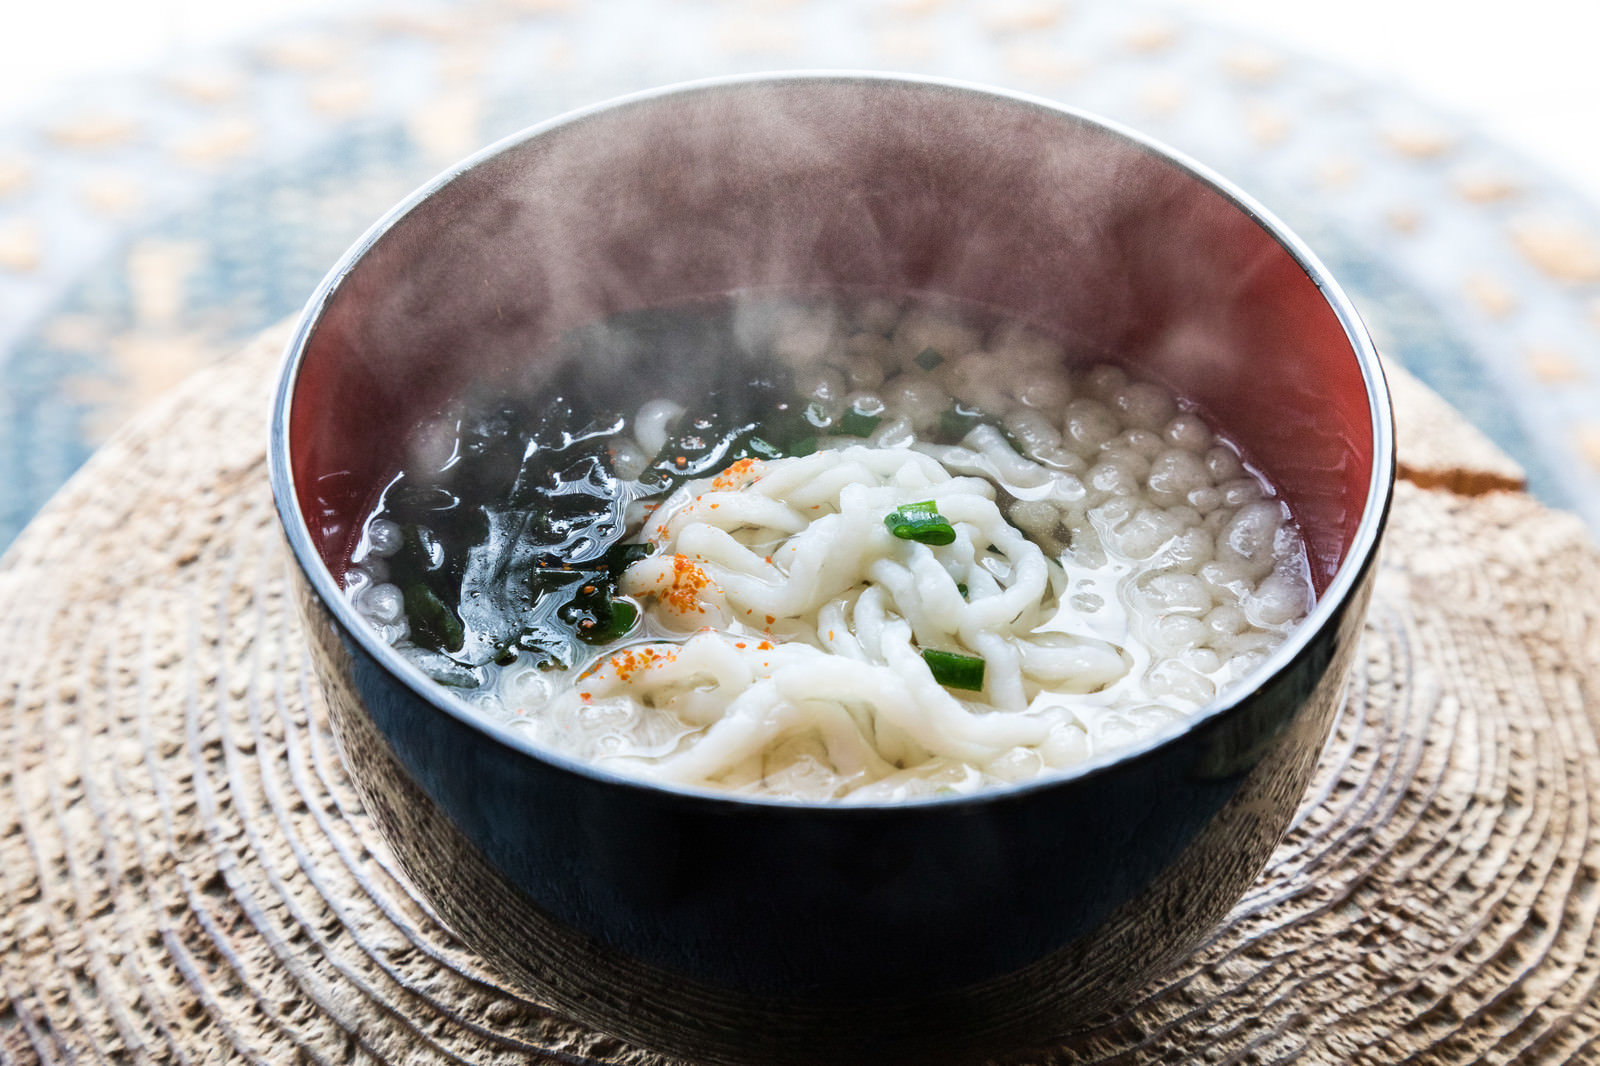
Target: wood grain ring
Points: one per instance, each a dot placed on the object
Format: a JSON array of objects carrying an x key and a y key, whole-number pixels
[{"x": 188, "y": 876}]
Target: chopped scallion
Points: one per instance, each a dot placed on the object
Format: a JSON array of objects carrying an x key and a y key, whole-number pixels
[
  {"x": 623, "y": 616},
  {"x": 955, "y": 670},
  {"x": 768, "y": 450},
  {"x": 957, "y": 421},
  {"x": 922, "y": 523},
  {"x": 853, "y": 423},
  {"x": 605, "y": 622},
  {"x": 961, "y": 587}
]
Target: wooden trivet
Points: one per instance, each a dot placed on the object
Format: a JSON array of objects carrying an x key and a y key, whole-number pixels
[{"x": 188, "y": 876}]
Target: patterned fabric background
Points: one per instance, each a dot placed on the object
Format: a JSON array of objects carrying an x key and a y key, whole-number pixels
[{"x": 148, "y": 225}]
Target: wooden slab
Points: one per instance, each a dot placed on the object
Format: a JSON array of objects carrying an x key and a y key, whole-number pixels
[
  {"x": 1438, "y": 449},
  {"x": 187, "y": 876}
]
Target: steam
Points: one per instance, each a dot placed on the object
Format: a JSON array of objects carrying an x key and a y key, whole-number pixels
[
  {"x": 790, "y": 185},
  {"x": 858, "y": 184}
]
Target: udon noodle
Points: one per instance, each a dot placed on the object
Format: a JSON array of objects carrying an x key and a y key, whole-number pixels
[{"x": 978, "y": 568}]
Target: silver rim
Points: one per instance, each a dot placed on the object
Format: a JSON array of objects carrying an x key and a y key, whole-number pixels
[{"x": 1331, "y": 603}]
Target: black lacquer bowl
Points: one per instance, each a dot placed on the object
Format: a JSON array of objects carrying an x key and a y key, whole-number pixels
[{"x": 732, "y": 930}]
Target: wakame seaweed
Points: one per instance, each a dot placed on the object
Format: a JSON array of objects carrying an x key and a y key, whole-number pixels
[{"x": 511, "y": 544}]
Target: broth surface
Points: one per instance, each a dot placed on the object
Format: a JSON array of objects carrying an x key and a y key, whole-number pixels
[{"x": 850, "y": 549}]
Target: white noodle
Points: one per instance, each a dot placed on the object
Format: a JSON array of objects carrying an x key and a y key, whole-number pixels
[{"x": 1112, "y": 576}]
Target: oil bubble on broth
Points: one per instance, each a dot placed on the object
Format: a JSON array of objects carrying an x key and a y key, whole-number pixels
[{"x": 843, "y": 549}]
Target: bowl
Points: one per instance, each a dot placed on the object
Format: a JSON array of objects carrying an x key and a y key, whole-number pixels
[{"x": 736, "y": 930}]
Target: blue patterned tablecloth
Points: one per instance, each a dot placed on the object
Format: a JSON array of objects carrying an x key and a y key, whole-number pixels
[{"x": 149, "y": 223}]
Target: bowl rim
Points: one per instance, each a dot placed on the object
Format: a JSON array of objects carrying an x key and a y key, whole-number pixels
[{"x": 1325, "y": 612}]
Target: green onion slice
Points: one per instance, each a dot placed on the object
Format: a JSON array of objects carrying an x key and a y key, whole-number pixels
[
  {"x": 609, "y": 622},
  {"x": 954, "y": 670},
  {"x": 920, "y": 522},
  {"x": 623, "y": 616},
  {"x": 957, "y": 421},
  {"x": 768, "y": 450},
  {"x": 855, "y": 424}
]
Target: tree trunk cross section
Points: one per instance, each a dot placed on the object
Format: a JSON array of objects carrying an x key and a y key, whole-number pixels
[{"x": 187, "y": 875}]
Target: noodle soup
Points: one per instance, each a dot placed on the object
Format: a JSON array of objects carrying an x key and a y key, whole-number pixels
[{"x": 870, "y": 551}]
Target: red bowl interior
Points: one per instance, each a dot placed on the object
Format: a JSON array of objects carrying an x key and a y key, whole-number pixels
[{"x": 1045, "y": 215}]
